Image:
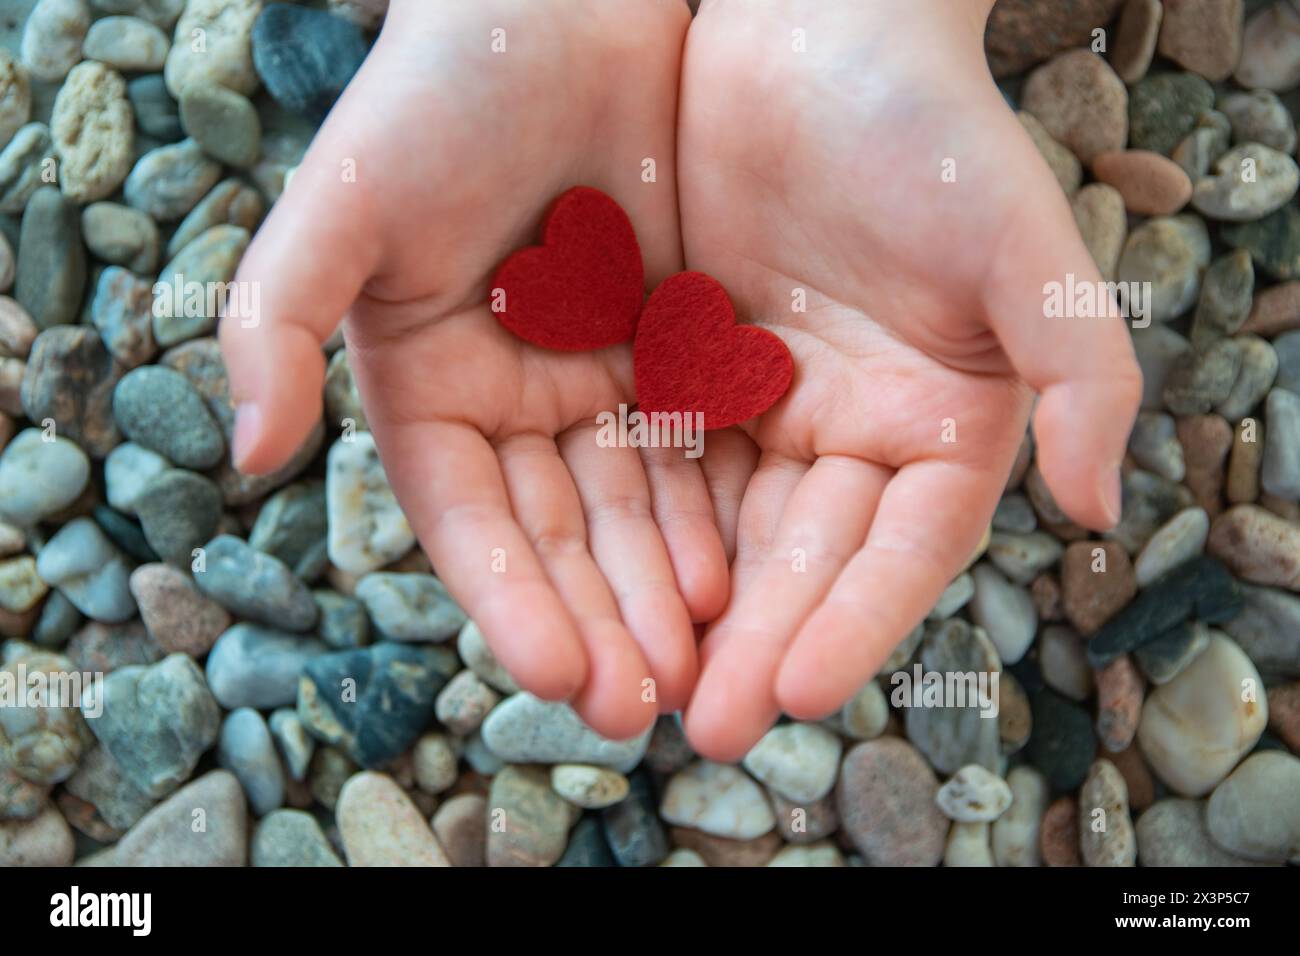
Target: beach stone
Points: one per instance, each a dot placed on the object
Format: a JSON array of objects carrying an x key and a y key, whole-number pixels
[
  {"x": 1178, "y": 541},
  {"x": 167, "y": 835},
  {"x": 1280, "y": 471},
  {"x": 632, "y": 831},
  {"x": 460, "y": 824},
  {"x": 1195, "y": 728},
  {"x": 865, "y": 715},
  {"x": 129, "y": 44},
  {"x": 39, "y": 478},
  {"x": 435, "y": 763},
  {"x": 1244, "y": 463},
  {"x": 1173, "y": 833},
  {"x": 1015, "y": 717},
  {"x": 1022, "y": 33},
  {"x": 536, "y": 820},
  {"x": 291, "y": 526},
  {"x": 1201, "y": 379},
  {"x": 1062, "y": 744},
  {"x": 1108, "y": 838},
  {"x": 93, "y": 131},
  {"x": 40, "y": 740},
  {"x": 1157, "y": 348},
  {"x": 156, "y": 722},
  {"x": 343, "y": 623},
  {"x": 1119, "y": 703},
  {"x": 1014, "y": 835},
  {"x": 389, "y": 701},
  {"x": 52, "y": 38},
  {"x": 99, "y": 782},
  {"x": 122, "y": 314},
  {"x": 380, "y": 826},
  {"x": 1270, "y": 54},
  {"x": 1274, "y": 310},
  {"x": 169, "y": 181},
  {"x": 44, "y": 840},
  {"x": 1022, "y": 557},
  {"x": 17, "y": 330},
  {"x": 230, "y": 203},
  {"x": 803, "y": 821},
  {"x": 1273, "y": 242},
  {"x": 719, "y": 851},
  {"x": 1203, "y": 36},
  {"x": 15, "y": 97},
  {"x": 156, "y": 113},
  {"x": 121, "y": 236},
  {"x": 20, "y": 798},
  {"x": 951, "y": 737},
  {"x": 1170, "y": 254},
  {"x": 464, "y": 702},
  {"x": 902, "y": 655},
  {"x": 1080, "y": 101},
  {"x": 342, "y": 401},
  {"x": 158, "y": 408},
  {"x": 819, "y": 854},
  {"x": 974, "y": 795},
  {"x": 306, "y": 57},
  {"x": 591, "y": 788},
  {"x": 177, "y": 615},
  {"x": 222, "y": 122},
  {"x": 1100, "y": 215},
  {"x": 1154, "y": 445},
  {"x": 525, "y": 729},
  {"x": 161, "y": 13},
  {"x": 58, "y": 621},
  {"x": 1005, "y": 611},
  {"x": 797, "y": 760},
  {"x": 104, "y": 648},
  {"x": 22, "y": 164},
  {"x": 128, "y": 469},
  {"x": 1058, "y": 834},
  {"x": 1208, "y": 140},
  {"x": 958, "y": 594},
  {"x": 291, "y": 838},
  {"x": 51, "y": 261},
  {"x": 1284, "y": 713},
  {"x": 1257, "y": 545},
  {"x": 227, "y": 56},
  {"x": 886, "y": 800},
  {"x": 367, "y": 527},
  {"x": 1063, "y": 663},
  {"x": 330, "y": 769},
  {"x": 1150, "y": 184},
  {"x": 295, "y": 745},
  {"x": 1226, "y": 291},
  {"x": 1258, "y": 116},
  {"x": 1064, "y": 164},
  {"x": 252, "y": 666},
  {"x": 1136, "y": 35},
  {"x": 210, "y": 262},
  {"x": 245, "y": 749},
  {"x": 1259, "y": 364},
  {"x": 1097, "y": 579},
  {"x": 1206, "y": 441},
  {"x": 668, "y": 750},
  {"x": 178, "y": 512},
  {"x": 200, "y": 361},
  {"x": 71, "y": 378},
  {"x": 1226, "y": 194},
  {"x": 254, "y": 585},
  {"x": 91, "y": 572},
  {"x": 1255, "y": 812},
  {"x": 1013, "y": 515},
  {"x": 1164, "y": 108},
  {"x": 1287, "y": 349},
  {"x": 1137, "y": 777},
  {"x": 410, "y": 607}
]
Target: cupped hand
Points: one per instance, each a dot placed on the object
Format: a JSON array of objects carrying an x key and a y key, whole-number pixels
[
  {"x": 463, "y": 125},
  {"x": 860, "y": 158}
]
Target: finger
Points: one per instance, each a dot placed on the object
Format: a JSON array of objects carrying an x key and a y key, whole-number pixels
[
  {"x": 730, "y": 457},
  {"x": 303, "y": 270},
  {"x": 452, "y": 491},
  {"x": 683, "y": 510},
  {"x": 812, "y": 545},
  {"x": 630, "y": 552},
  {"x": 1083, "y": 367},
  {"x": 929, "y": 522},
  {"x": 547, "y": 506}
]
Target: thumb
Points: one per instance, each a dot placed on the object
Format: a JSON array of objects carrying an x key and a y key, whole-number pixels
[
  {"x": 303, "y": 270},
  {"x": 1082, "y": 365}
]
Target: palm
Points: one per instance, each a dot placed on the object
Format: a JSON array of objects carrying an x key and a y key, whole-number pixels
[{"x": 879, "y": 470}]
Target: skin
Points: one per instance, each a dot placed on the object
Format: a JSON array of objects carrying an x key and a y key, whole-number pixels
[{"x": 818, "y": 171}]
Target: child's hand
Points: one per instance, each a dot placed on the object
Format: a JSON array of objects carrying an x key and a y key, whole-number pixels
[
  {"x": 489, "y": 443},
  {"x": 822, "y": 171}
]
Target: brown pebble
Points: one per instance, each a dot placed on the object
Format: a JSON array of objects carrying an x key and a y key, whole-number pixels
[
  {"x": 1133, "y": 767},
  {"x": 1091, "y": 597},
  {"x": 1151, "y": 184},
  {"x": 1274, "y": 310},
  {"x": 719, "y": 851},
  {"x": 1103, "y": 223},
  {"x": 1058, "y": 834},
  {"x": 1080, "y": 101},
  {"x": 461, "y": 827},
  {"x": 1244, "y": 460},
  {"x": 179, "y": 616},
  {"x": 1284, "y": 713},
  {"x": 17, "y": 330},
  {"x": 1203, "y": 36},
  {"x": 1257, "y": 545},
  {"x": 1290, "y": 510},
  {"x": 1206, "y": 441},
  {"x": 1046, "y": 592},
  {"x": 1135, "y": 39},
  {"x": 1015, "y": 717},
  {"x": 1119, "y": 703}
]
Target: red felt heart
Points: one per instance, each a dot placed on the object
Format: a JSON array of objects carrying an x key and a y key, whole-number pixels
[
  {"x": 691, "y": 356},
  {"x": 583, "y": 287}
]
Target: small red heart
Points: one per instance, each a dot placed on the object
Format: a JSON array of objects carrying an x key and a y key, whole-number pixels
[
  {"x": 691, "y": 356},
  {"x": 583, "y": 287}
]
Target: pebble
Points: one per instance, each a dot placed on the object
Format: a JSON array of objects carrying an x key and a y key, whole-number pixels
[
  {"x": 226, "y": 58},
  {"x": 524, "y": 729},
  {"x": 387, "y": 702},
  {"x": 1097, "y": 579},
  {"x": 330, "y": 770},
  {"x": 719, "y": 851},
  {"x": 1255, "y": 812},
  {"x": 169, "y": 181},
  {"x": 1014, "y": 514},
  {"x": 306, "y": 57},
  {"x": 170, "y": 834},
  {"x": 291, "y": 838},
  {"x": 1119, "y": 703},
  {"x": 127, "y": 470},
  {"x": 129, "y": 44},
  {"x": 1022, "y": 557},
  {"x": 222, "y": 122},
  {"x": 1170, "y": 254},
  {"x": 465, "y": 702},
  {"x": 668, "y": 750},
  {"x": 201, "y": 363},
  {"x": 1015, "y": 717},
  {"x": 1273, "y": 242},
  {"x": 106, "y": 647},
  {"x": 1006, "y": 612},
  {"x": 718, "y": 799},
  {"x": 1164, "y": 108},
  {"x": 121, "y": 236},
  {"x": 1257, "y": 545},
  {"x": 1270, "y": 52},
  {"x": 460, "y": 824},
  {"x": 819, "y": 854},
  {"x": 1058, "y": 834},
  {"x": 633, "y": 832},
  {"x": 1226, "y": 193},
  {"x": 90, "y": 571},
  {"x": 1062, "y": 743},
  {"x": 342, "y": 401},
  {"x": 1195, "y": 728},
  {"x": 1244, "y": 463},
  {"x": 865, "y": 715},
  {"x": 93, "y": 131},
  {"x": 367, "y": 527},
  {"x": 1014, "y": 834},
  {"x": 1208, "y": 140},
  {"x": 1150, "y": 184},
  {"x": 230, "y": 203},
  {"x": 22, "y": 166},
  {"x": 1100, "y": 215},
  {"x": 1275, "y": 310},
  {"x": 1280, "y": 472},
  {"x": 179, "y": 511},
  {"x": 45, "y": 840},
  {"x": 20, "y": 798},
  {"x": 1201, "y": 379},
  {"x": 1154, "y": 445},
  {"x": 53, "y": 36},
  {"x": 974, "y": 795},
  {"x": 1063, "y": 662},
  {"x": 1080, "y": 101},
  {"x": 122, "y": 314},
  {"x": 534, "y": 821},
  {"x": 210, "y": 260},
  {"x": 1203, "y": 37},
  {"x": 291, "y": 526},
  {"x": 1022, "y": 33},
  {"x": 294, "y": 744},
  {"x": 952, "y": 737},
  {"x": 1178, "y": 541},
  {"x": 1136, "y": 35},
  {"x": 156, "y": 113},
  {"x": 51, "y": 261},
  {"x": 99, "y": 782},
  {"x": 158, "y": 408},
  {"x": 1157, "y": 348},
  {"x": 42, "y": 741},
  {"x": 15, "y": 97},
  {"x": 39, "y": 478},
  {"x": 1065, "y": 166},
  {"x": 1107, "y": 837},
  {"x": 156, "y": 722},
  {"x": 245, "y": 749},
  {"x": 254, "y": 585},
  {"x": 178, "y": 616},
  {"x": 886, "y": 799},
  {"x": 17, "y": 330},
  {"x": 343, "y": 623},
  {"x": 252, "y": 666},
  {"x": 410, "y": 607},
  {"x": 71, "y": 378},
  {"x": 380, "y": 826},
  {"x": 803, "y": 821},
  {"x": 1259, "y": 364},
  {"x": 1173, "y": 833},
  {"x": 58, "y": 621},
  {"x": 1206, "y": 441},
  {"x": 1287, "y": 348},
  {"x": 1284, "y": 713},
  {"x": 591, "y": 788},
  {"x": 1226, "y": 291},
  {"x": 797, "y": 760},
  {"x": 1258, "y": 116},
  {"x": 435, "y": 763}
]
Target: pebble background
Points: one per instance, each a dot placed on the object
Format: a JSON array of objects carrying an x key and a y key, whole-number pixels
[{"x": 1160, "y": 697}]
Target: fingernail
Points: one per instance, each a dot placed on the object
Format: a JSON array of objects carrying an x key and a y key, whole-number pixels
[
  {"x": 1114, "y": 497},
  {"x": 248, "y": 424}
]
